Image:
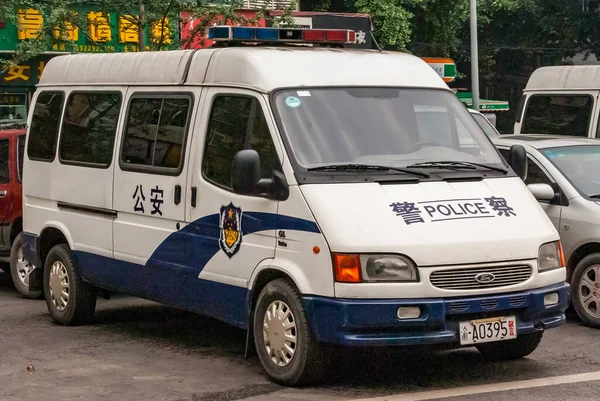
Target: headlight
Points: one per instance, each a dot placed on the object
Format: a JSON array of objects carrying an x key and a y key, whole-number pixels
[
  {"x": 387, "y": 268},
  {"x": 550, "y": 257}
]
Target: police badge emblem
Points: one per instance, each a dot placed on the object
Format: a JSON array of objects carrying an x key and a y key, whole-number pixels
[{"x": 231, "y": 229}]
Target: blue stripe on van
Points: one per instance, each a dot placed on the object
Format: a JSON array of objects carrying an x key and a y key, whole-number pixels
[
  {"x": 203, "y": 237},
  {"x": 171, "y": 273},
  {"x": 180, "y": 288}
]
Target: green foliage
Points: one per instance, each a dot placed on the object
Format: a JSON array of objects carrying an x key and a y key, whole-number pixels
[{"x": 391, "y": 21}]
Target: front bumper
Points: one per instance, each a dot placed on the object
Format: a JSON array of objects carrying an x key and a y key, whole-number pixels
[{"x": 373, "y": 322}]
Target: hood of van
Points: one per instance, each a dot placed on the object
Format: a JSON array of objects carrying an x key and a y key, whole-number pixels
[{"x": 435, "y": 223}]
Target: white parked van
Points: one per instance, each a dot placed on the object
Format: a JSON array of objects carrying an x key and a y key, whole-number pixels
[
  {"x": 305, "y": 194},
  {"x": 561, "y": 100}
]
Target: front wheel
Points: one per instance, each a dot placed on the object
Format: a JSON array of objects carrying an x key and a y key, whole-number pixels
[
  {"x": 284, "y": 343},
  {"x": 20, "y": 269},
  {"x": 585, "y": 286},
  {"x": 512, "y": 349},
  {"x": 70, "y": 300}
]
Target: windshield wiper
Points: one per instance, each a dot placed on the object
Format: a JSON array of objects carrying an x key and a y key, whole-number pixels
[
  {"x": 597, "y": 196},
  {"x": 457, "y": 165},
  {"x": 373, "y": 167}
]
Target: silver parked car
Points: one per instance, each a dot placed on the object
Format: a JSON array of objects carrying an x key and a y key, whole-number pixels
[
  {"x": 564, "y": 176},
  {"x": 485, "y": 124}
]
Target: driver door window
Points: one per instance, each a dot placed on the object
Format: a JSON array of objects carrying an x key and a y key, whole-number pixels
[{"x": 535, "y": 175}]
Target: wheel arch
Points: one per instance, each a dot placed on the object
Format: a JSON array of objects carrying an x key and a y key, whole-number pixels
[
  {"x": 578, "y": 254},
  {"x": 52, "y": 234},
  {"x": 263, "y": 274}
]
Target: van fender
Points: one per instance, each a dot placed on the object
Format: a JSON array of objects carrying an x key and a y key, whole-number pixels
[
  {"x": 285, "y": 267},
  {"x": 62, "y": 228}
]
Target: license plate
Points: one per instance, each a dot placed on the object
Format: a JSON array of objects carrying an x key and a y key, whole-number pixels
[{"x": 488, "y": 330}]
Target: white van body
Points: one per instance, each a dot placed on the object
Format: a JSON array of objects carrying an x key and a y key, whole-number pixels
[
  {"x": 561, "y": 100},
  {"x": 214, "y": 251}
]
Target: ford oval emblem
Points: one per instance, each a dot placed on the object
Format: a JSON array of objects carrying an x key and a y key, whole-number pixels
[{"x": 485, "y": 278}]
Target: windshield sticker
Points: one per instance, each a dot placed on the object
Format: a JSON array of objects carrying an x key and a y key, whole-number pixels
[
  {"x": 452, "y": 209},
  {"x": 303, "y": 93},
  {"x": 293, "y": 101}
]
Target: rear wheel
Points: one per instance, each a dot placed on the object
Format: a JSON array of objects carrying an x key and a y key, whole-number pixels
[
  {"x": 70, "y": 300},
  {"x": 585, "y": 286},
  {"x": 20, "y": 269},
  {"x": 284, "y": 343},
  {"x": 512, "y": 349}
]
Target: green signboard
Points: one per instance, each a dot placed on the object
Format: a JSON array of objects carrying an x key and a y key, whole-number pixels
[
  {"x": 24, "y": 74},
  {"x": 484, "y": 104},
  {"x": 94, "y": 31}
]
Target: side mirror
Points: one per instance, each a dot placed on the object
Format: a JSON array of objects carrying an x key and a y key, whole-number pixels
[
  {"x": 517, "y": 159},
  {"x": 542, "y": 192},
  {"x": 245, "y": 177},
  {"x": 245, "y": 173}
]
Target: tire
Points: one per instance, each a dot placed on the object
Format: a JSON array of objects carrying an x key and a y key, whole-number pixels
[
  {"x": 511, "y": 349},
  {"x": 589, "y": 315},
  {"x": 307, "y": 363},
  {"x": 19, "y": 271},
  {"x": 80, "y": 304}
]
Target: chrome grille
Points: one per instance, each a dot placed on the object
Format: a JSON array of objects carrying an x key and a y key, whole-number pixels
[{"x": 464, "y": 279}]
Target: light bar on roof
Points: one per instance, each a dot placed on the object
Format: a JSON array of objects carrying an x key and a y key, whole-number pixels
[{"x": 222, "y": 33}]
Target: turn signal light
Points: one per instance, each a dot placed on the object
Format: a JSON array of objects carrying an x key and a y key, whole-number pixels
[
  {"x": 561, "y": 254},
  {"x": 346, "y": 268}
]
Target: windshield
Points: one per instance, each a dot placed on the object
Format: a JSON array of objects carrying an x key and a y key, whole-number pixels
[
  {"x": 383, "y": 126},
  {"x": 485, "y": 125},
  {"x": 579, "y": 164}
]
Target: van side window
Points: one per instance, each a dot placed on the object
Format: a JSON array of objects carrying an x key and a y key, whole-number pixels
[
  {"x": 44, "y": 126},
  {"x": 155, "y": 132},
  {"x": 236, "y": 123},
  {"x": 89, "y": 128},
  {"x": 4, "y": 167},
  {"x": 558, "y": 115},
  {"x": 20, "y": 156}
]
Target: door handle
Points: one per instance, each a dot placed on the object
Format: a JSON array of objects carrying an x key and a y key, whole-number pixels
[
  {"x": 177, "y": 199},
  {"x": 3, "y": 193},
  {"x": 194, "y": 192}
]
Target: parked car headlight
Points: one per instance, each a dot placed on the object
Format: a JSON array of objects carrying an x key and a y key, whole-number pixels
[
  {"x": 550, "y": 257},
  {"x": 388, "y": 268}
]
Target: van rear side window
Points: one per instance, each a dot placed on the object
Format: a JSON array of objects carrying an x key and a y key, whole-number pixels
[
  {"x": 43, "y": 132},
  {"x": 155, "y": 133},
  {"x": 89, "y": 127},
  {"x": 558, "y": 115}
]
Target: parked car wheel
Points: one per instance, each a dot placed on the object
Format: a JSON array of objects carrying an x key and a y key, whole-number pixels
[
  {"x": 284, "y": 343},
  {"x": 585, "y": 290},
  {"x": 71, "y": 301},
  {"x": 512, "y": 349},
  {"x": 20, "y": 269}
]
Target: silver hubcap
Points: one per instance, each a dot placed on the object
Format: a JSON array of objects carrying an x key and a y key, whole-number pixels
[
  {"x": 24, "y": 269},
  {"x": 59, "y": 286},
  {"x": 279, "y": 333},
  {"x": 589, "y": 290}
]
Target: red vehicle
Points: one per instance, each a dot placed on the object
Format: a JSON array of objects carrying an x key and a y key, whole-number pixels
[{"x": 12, "y": 146}]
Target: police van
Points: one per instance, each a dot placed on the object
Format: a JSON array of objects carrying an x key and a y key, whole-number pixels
[{"x": 303, "y": 193}]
